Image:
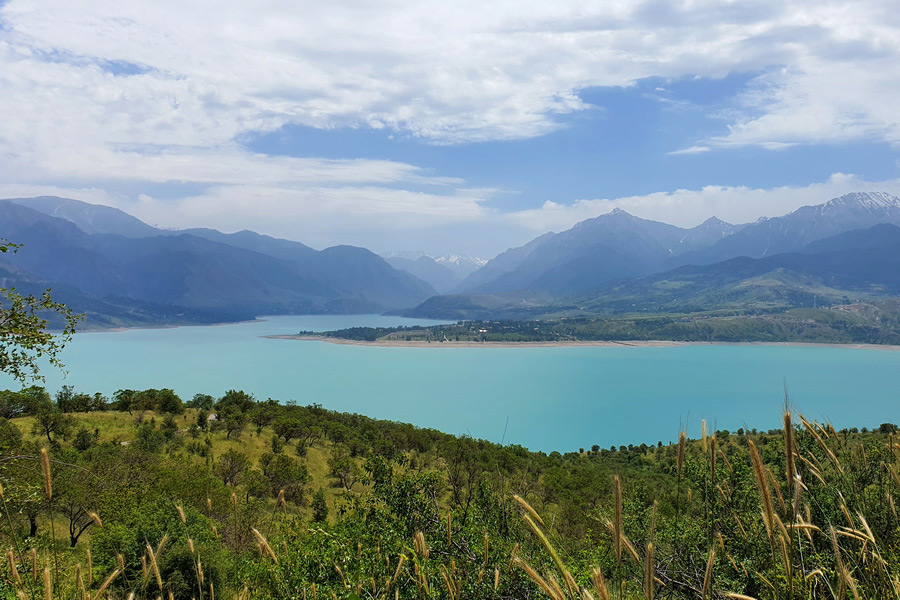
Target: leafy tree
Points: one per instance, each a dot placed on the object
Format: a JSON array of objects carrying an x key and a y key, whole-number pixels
[
  {"x": 231, "y": 466},
  {"x": 201, "y": 401},
  {"x": 263, "y": 415},
  {"x": 239, "y": 399},
  {"x": 287, "y": 428},
  {"x": 50, "y": 422},
  {"x": 285, "y": 473},
  {"x": 24, "y": 334},
  {"x": 343, "y": 468},
  {"x": 234, "y": 421}
]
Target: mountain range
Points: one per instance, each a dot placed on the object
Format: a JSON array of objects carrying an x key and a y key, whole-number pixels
[
  {"x": 122, "y": 271},
  {"x": 619, "y": 262}
]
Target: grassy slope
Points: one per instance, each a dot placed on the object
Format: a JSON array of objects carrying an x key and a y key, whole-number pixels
[{"x": 120, "y": 426}]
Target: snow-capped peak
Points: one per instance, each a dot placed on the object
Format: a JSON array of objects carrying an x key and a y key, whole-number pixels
[{"x": 867, "y": 200}]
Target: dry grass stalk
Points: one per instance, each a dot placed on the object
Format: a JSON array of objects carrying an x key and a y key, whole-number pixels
[
  {"x": 555, "y": 585},
  {"x": 739, "y": 597},
  {"x": 487, "y": 547},
  {"x": 536, "y": 577},
  {"x": 725, "y": 460},
  {"x": 14, "y": 572},
  {"x": 821, "y": 442},
  {"x": 789, "y": 451},
  {"x": 106, "y": 583},
  {"x": 400, "y": 564},
  {"x": 450, "y": 589},
  {"x": 449, "y": 528},
  {"x": 421, "y": 545},
  {"x": 682, "y": 444},
  {"x": 496, "y": 579},
  {"x": 534, "y": 514},
  {"x": 649, "y": 574},
  {"x": 762, "y": 484},
  {"x": 618, "y": 524},
  {"x": 703, "y": 433},
  {"x": 162, "y": 544},
  {"x": 48, "y": 585},
  {"x": 570, "y": 581},
  {"x": 96, "y": 519},
  {"x": 707, "y": 576},
  {"x": 90, "y": 567},
  {"x": 181, "y": 514},
  {"x": 712, "y": 459},
  {"x": 600, "y": 584},
  {"x": 777, "y": 488},
  {"x": 34, "y": 564},
  {"x": 79, "y": 583},
  {"x": 45, "y": 467},
  {"x": 264, "y": 545},
  {"x": 154, "y": 566}
]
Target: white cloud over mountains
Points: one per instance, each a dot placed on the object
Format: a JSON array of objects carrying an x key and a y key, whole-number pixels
[{"x": 97, "y": 91}]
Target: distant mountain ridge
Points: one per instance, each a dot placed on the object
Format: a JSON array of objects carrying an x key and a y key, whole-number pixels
[
  {"x": 612, "y": 246},
  {"x": 199, "y": 272},
  {"x": 123, "y": 271},
  {"x": 594, "y": 264}
]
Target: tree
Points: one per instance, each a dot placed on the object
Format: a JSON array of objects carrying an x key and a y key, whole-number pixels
[
  {"x": 285, "y": 473},
  {"x": 231, "y": 466},
  {"x": 24, "y": 334},
  {"x": 343, "y": 467},
  {"x": 201, "y": 401},
  {"x": 234, "y": 422},
  {"x": 50, "y": 421}
]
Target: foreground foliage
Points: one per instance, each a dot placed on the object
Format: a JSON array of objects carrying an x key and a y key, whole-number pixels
[{"x": 143, "y": 496}]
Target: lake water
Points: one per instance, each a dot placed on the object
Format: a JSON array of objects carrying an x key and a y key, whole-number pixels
[{"x": 543, "y": 398}]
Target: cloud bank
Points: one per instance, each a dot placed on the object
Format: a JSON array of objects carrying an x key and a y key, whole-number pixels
[{"x": 99, "y": 94}]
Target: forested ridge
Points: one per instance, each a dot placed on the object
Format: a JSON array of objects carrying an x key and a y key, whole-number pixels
[{"x": 144, "y": 494}]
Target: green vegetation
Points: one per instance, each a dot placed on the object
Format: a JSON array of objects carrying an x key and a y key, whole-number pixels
[
  {"x": 869, "y": 323},
  {"x": 145, "y": 494},
  {"x": 24, "y": 337}
]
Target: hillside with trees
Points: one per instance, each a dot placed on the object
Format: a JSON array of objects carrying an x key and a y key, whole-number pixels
[{"x": 145, "y": 494}]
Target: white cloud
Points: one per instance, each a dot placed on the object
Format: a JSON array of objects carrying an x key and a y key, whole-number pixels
[
  {"x": 100, "y": 94},
  {"x": 687, "y": 208}
]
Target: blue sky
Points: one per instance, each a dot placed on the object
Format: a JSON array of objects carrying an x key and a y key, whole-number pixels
[{"x": 428, "y": 126}]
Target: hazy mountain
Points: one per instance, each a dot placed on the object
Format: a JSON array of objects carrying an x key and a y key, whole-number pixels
[
  {"x": 202, "y": 270},
  {"x": 795, "y": 230},
  {"x": 854, "y": 264},
  {"x": 90, "y": 218},
  {"x": 425, "y": 268},
  {"x": 462, "y": 266},
  {"x": 612, "y": 246}
]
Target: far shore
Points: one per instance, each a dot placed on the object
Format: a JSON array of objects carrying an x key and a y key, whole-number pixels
[{"x": 562, "y": 344}]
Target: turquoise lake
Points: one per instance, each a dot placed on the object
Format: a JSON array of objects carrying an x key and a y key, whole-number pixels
[{"x": 543, "y": 398}]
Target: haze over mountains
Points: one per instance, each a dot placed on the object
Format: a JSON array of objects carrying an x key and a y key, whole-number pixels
[
  {"x": 122, "y": 271},
  {"x": 576, "y": 269}
]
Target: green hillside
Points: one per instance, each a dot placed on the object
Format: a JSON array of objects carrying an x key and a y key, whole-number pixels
[{"x": 142, "y": 495}]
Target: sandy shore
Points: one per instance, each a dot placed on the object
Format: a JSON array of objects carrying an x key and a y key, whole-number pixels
[{"x": 572, "y": 344}]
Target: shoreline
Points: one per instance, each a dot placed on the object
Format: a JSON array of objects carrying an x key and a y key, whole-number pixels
[
  {"x": 170, "y": 326},
  {"x": 567, "y": 344}
]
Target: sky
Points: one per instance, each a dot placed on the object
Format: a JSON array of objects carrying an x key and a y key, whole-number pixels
[{"x": 447, "y": 127}]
